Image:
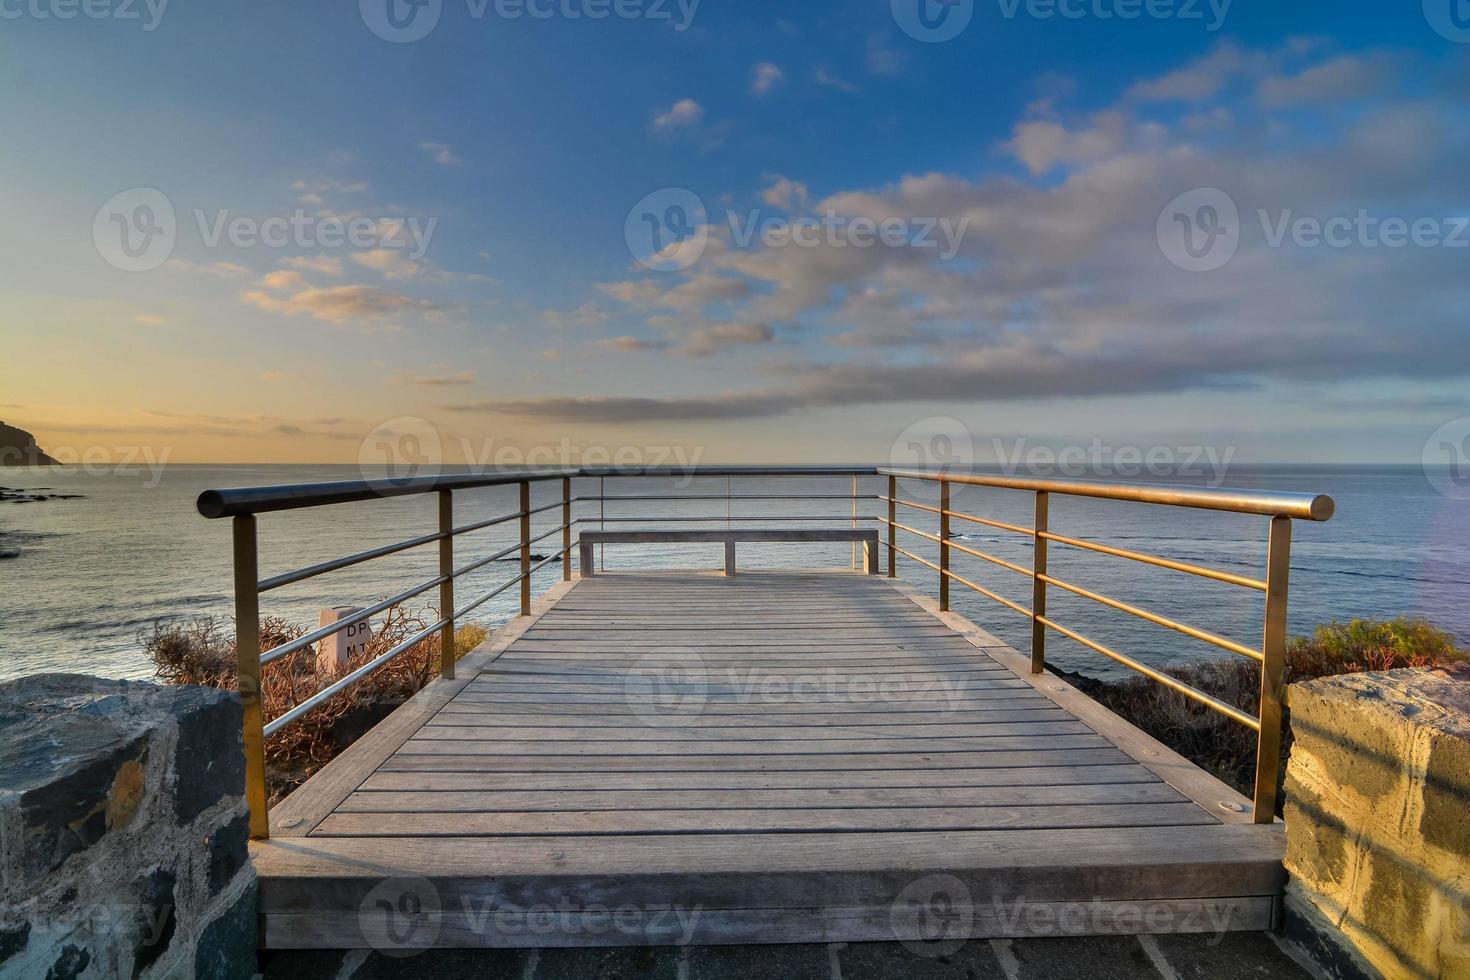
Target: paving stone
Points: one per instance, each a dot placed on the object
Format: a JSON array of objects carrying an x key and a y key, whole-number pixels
[
  {"x": 1239, "y": 954},
  {"x": 448, "y": 964},
  {"x": 803, "y": 961},
  {"x": 1093, "y": 957},
  {"x": 623, "y": 963},
  {"x": 305, "y": 964},
  {"x": 975, "y": 960}
]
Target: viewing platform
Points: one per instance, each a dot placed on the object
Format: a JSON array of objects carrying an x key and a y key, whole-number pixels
[{"x": 769, "y": 756}]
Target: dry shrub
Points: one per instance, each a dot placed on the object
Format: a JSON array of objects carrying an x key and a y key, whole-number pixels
[
  {"x": 1228, "y": 749},
  {"x": 202, "y": 651}
]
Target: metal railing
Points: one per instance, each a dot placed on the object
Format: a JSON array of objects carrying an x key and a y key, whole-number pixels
[
  {"x": 1281, "y": 508},
  {"x": 243, "y": 505}
]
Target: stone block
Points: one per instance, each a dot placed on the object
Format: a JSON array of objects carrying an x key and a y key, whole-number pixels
[
  {"x": 1378, "y": 842},
  {"x": 123, "y": 831}
]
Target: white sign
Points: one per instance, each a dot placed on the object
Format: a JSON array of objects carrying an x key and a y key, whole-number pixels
[{"x": 334, "y": 652}]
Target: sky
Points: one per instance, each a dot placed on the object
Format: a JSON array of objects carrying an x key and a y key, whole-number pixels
[{"x": 872, "y": 230}]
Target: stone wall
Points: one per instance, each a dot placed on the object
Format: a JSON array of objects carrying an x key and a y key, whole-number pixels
[
  {"x": 123, "y": 831},
  {"x": 1378, "y": 823}
]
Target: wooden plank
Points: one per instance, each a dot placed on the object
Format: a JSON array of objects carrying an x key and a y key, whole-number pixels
[
  {"x": 1001, "y": 701},
  {"x": 934, "y": 689},
  {"x": 502, "y": 801},
  {"x": 816, "y": 779},
  {"x": 718, "y": 868},
  {"x": 715, "y": 701},
  {"x": 459, "y": 731},
  {"x": 622, "y": 822},
  {"x": 489, "y": 716},
  {"x": 420, "y": 745},
  {"x": 793, "y": 762},
  {"x": 772, "y": 661},
  {"x": 662, "y": 925},
  {"x": 742, "y": 675}
]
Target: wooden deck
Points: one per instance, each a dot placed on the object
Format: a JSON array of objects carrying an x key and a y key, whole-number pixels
[{"x": 780, "y": 757}]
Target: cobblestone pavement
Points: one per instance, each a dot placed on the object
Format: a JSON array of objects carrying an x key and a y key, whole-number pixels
[{"x": 1240, "y": 956}]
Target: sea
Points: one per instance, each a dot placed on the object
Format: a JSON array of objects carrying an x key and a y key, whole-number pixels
[{"x": 92, "y": 574}]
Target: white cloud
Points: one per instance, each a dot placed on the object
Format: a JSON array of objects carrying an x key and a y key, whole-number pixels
[
  {"x": 224, "y": 270},
  {"x": 1042, "y": 145},
  {"x": 283, "y": 280},
  {"x": 1336, "y": 80},
  {"x": 825, "y": 78},
  {"x": 436, "y": 381},
  {"x": 882, "y": 59},
  {"x": 326, "y": 265},
  {"x": 442, "y": 153},
  {"x": 783, "y": 192},
  {"x": 340, "y": 304},
  {"x": 627, "y": 344},
  {"x": 393, "y": 263},
  {"x": 765, "y": 77},
  {"x": 682, "y": 114},
  {"x": 586, "y": 315}
]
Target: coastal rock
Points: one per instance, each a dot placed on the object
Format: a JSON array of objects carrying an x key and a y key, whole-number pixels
[{"x": 18, "y": 448}]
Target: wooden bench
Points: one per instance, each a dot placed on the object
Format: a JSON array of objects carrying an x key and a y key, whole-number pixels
[{"x": 868, "y": 538}]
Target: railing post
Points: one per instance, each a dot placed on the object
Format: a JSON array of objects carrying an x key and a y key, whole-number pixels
[
  {"x": 446, "y": 589},
  {"x": 566, "y": 529},
  {"x": 1038, "y": 585},
  {"x": 892, "y": 526},
  {"x": 1273, "y": 667},
  {"x": 525, "y": 548},
  {"x": 247, "y": 665},
  {"x": 854, "y": 520},
  {"x": 943, "y": 545}
]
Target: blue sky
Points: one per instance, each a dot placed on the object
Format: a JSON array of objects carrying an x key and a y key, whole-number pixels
[{"x": 1057, "y": 143}]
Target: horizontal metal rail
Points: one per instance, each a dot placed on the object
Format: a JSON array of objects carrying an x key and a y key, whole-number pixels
[
  {"x": 242, "y": 504},
  {"x": 1002, "y": 525},
  {"x": 337, "y": 687},
  {"x": 1173, "y": 683},
  {"x": 1244, "y": 581},
  {"x": 1301, "y": 506},
  {"x": 315, "y": 636},
  {"x": 713, "y": 519},
  {"x": 515, "y": 581},
  {"x": 697, "y": 472},
  {"x": 1199, "y": 634},
  {"x": 660, "y": 498},
  {"x": 964, "y": 581},
  {"x": 312, "y": 571},
  {"x": 1018, "y": 569},
  {"x": 475, "y": 566},
  {"x": 239, "y": 501}
]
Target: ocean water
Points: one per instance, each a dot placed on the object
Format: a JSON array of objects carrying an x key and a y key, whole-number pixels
[{"x": 94, "y": 572}]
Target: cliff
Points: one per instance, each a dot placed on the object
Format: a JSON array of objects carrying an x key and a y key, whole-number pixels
[{"x": 18, "y": 448}]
